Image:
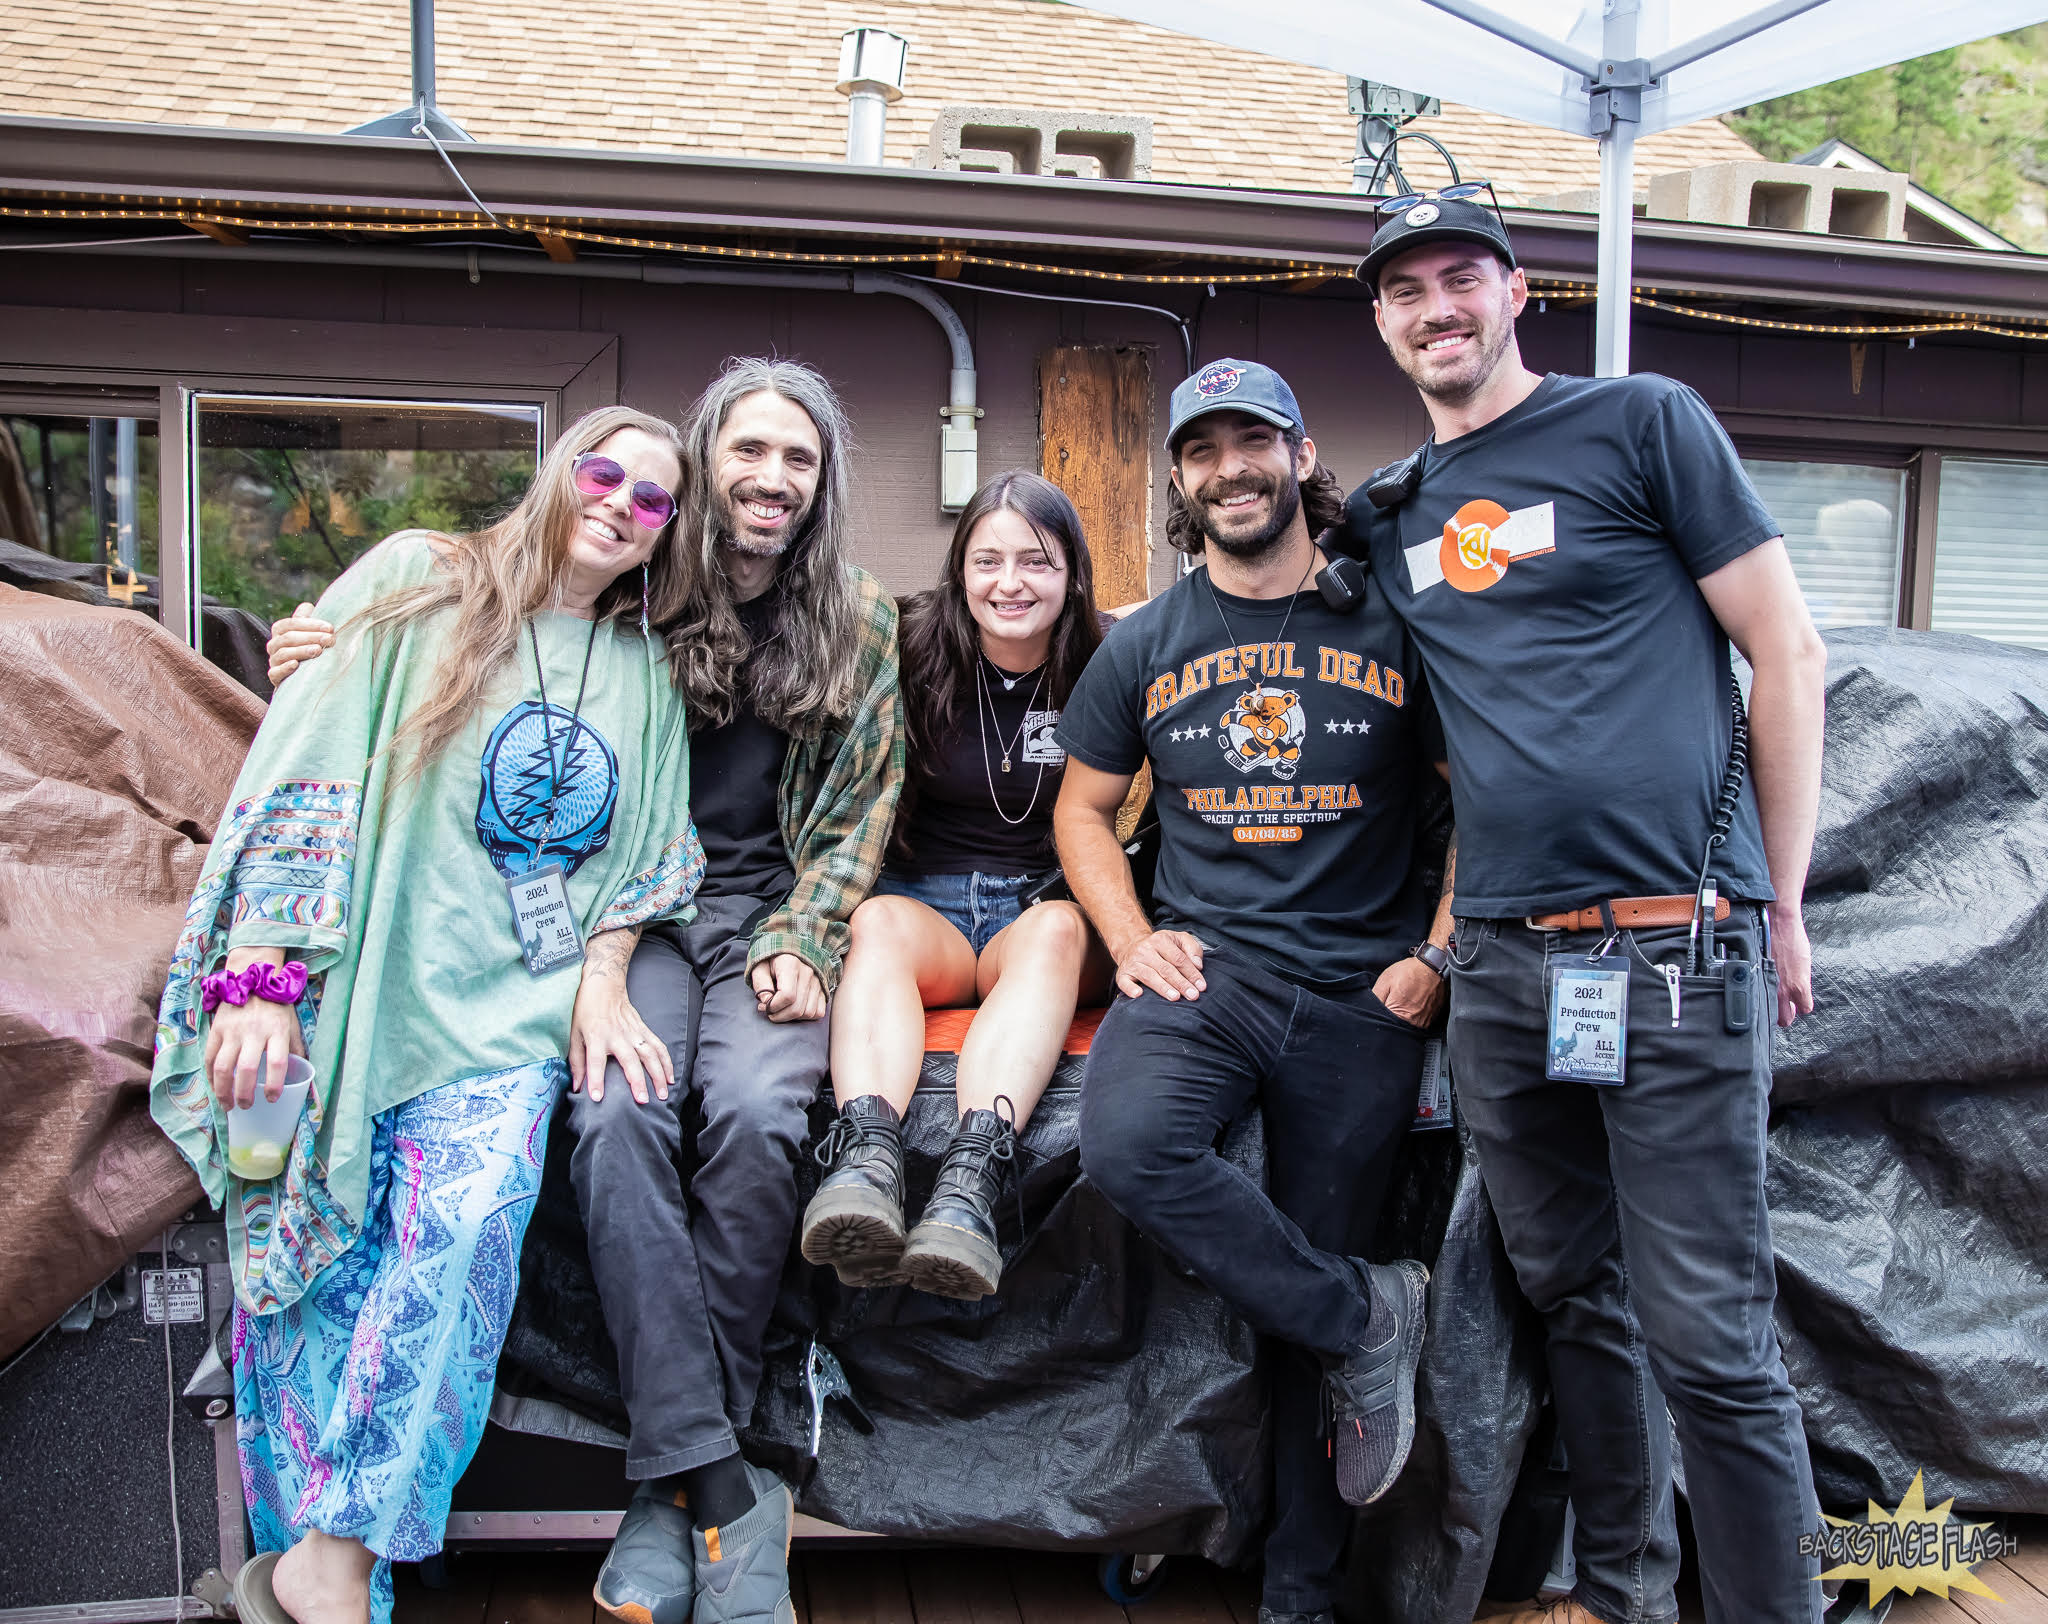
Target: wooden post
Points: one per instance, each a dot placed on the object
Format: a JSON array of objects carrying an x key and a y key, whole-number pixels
[{"x": 1095, "y": 425}]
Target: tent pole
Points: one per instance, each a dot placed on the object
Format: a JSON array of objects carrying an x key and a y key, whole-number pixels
[
  {"x": 1617, "y": 108},
  {"x": 1617, "y": 249}
]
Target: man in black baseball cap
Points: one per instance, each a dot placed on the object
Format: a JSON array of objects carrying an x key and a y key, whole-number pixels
[
  {"x": 1435, "y": 219},
  {"x": 1277, "y": 956},
  {"x": 1574, "y": 557}
]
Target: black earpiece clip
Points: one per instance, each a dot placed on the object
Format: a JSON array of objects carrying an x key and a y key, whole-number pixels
[
  {"x": 1342, "y": 584},
  {"x": 1394, "y": 484}
]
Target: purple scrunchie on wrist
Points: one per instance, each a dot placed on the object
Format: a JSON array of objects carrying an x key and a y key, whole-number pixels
[{"x": 276, "y": 984}]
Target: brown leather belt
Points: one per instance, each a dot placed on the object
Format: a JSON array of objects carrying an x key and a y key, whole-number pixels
[{"x": 1628, "y": 911}]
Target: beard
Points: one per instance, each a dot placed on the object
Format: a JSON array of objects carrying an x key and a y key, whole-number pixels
[
  {"x": 1459, "y": 382},
  {"x": 740, "y": 532},
  {"x": 1247, "y": 547}
]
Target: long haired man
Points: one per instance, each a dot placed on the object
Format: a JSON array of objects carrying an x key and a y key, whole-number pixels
[{"x": 786, "y": 657}]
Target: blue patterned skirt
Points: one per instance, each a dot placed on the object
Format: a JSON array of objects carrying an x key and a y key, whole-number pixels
[{"x": 358, "y": 1407}]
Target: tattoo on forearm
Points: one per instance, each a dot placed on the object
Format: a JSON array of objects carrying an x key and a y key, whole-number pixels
[
  {"x": 1451, "y": 863},
  {"x": 606, "y": 956}
]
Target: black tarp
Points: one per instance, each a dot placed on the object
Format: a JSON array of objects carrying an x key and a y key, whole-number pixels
[
  {"x": 1107, "y": 1399},
  {"x": 1104, "y": 1397},
  {"x": 1907, "y": 1164}
]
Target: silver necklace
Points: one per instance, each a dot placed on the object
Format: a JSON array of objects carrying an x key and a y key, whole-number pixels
[
  {"x": 983, "y": 713},
  {"x": 1009, "y": 682}
]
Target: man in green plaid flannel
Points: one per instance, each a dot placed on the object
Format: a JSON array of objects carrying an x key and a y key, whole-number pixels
[{"x": 786, "y": 657}]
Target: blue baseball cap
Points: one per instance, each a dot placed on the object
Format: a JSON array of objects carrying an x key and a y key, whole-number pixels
[{"x": 1232, "y": 386}]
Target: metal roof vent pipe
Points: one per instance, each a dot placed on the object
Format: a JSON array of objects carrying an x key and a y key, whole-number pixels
[
  {"x": 424, "y": 111},
  {"x": 871, "y": 76}
]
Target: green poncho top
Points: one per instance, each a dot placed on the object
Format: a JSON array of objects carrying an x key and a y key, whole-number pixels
[{"x": 394, "y": 894}]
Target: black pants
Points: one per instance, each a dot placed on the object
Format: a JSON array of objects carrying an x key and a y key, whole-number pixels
[
  {"x": 1636, "y": 1222},
  {"x": 686, "y": 1286},
  {"x": 1335, "y": 1079}
]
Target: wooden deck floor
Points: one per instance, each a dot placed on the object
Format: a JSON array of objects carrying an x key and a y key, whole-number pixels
[
  {"x": 864, "y": 1585},
  {"x": 861, "y": 1586}
]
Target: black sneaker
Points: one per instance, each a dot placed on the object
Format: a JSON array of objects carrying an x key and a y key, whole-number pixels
[
  {"x": 1268, "y": 1615},
  {"x": 855, "y": 1221},
  {"x": 1372, "y": 1390}
]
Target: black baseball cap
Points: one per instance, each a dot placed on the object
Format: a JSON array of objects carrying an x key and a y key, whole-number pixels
[
  {"x": 1447, "y": 219},
  {"x": 1231, "y": 385}
]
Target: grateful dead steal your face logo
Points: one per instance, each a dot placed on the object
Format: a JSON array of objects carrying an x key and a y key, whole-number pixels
[{"x": 1265, "y": 728}]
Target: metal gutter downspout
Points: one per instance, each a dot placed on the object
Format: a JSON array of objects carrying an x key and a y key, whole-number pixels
[{"x": 959, "y": 438}]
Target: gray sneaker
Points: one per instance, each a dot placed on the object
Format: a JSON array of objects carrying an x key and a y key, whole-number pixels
[
  {"x": 743, "y": 1568},
  {"x": 648, "y": 1577},
  {"x": 1372, "y": 1390}
]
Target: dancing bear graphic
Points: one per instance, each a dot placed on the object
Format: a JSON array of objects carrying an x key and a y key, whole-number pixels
[{"x": 1265, "y": 729}]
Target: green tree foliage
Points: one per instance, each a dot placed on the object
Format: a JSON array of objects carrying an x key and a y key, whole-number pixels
[
  {"x": 278, "y": 525},
  {"x": 1970, "y": 124}
]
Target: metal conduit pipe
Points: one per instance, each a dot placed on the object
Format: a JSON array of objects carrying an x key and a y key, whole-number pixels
[{"x": 959, "y": 437}]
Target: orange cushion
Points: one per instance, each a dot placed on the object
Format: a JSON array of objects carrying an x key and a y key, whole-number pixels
[{"x": 946, "y": 1029}]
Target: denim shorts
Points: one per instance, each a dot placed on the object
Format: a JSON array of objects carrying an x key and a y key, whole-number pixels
[{"x": 976, "y": 905}]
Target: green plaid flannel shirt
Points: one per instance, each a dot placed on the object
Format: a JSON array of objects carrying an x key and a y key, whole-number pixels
[{"x": 837, "y": 802}]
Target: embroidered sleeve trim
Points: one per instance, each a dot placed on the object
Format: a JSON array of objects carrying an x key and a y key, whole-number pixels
[{"x": 661, "y": 890}]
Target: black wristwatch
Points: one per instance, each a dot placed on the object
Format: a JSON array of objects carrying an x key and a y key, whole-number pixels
[{"x": 1433, "y": 956}]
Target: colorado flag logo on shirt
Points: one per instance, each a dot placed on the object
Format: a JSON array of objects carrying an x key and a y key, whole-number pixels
[{"x": 1479, "y": 541}]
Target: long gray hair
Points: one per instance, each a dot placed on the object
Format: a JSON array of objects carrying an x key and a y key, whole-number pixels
[{"x": 803, "y": 676}]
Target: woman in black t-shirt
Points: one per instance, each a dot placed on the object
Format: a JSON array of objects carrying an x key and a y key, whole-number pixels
[{"x": 988, "y": 657}]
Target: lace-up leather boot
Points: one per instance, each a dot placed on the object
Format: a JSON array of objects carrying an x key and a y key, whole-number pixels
[
  {"x": 855, "y": 1221},
  {"x": 953, "y": 1251}
]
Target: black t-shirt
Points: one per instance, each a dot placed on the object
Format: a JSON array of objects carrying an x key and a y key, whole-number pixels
[
  {"x": 735, "y": 780},
  {"x": 953, "y": 826},
  {"x": 1284, "y": 770},
  {"x": 1546, "y": 566}
]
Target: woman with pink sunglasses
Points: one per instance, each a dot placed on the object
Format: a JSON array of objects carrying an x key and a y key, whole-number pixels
[{"x": 433, "y": 868}]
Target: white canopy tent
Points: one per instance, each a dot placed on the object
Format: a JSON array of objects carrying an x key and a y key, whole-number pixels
[{"x": 1611, "y": 70}]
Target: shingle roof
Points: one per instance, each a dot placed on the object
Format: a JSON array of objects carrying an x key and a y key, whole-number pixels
[{"x": 745, "y": 77}]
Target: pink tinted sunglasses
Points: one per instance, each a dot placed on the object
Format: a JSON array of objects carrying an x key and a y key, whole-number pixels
[{"x": 600, "y": 476}]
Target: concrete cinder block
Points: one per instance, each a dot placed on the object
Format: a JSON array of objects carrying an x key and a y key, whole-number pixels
[
  {"x": 1784, "y": 197},
  {"x": 1039, "y": 141}
]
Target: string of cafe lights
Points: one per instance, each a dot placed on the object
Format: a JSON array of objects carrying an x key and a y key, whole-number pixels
[{"x": 1285, "y": 271}]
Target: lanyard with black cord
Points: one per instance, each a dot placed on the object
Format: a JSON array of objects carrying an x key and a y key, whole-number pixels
[{"x": 1393, "y": 485}]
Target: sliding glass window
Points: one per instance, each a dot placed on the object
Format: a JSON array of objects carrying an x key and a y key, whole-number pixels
[{"x": 288, "y": 491}]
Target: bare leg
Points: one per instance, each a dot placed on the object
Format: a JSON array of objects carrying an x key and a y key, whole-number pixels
[
  {"x": 905, "y": 959},
  {"x": 1031, "y": 977},
  {"x": 324, "y": 1580}
]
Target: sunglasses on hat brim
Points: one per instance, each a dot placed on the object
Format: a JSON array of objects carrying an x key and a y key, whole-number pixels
[
  {"x": 597, "y": 475},
  {"x": 1463, "y": 192}
]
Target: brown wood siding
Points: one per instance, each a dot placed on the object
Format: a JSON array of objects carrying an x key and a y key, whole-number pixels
[{"x": 1095, "y": 420}]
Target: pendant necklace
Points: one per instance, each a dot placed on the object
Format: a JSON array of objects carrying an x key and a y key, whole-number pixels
[
  {"x": 1008, "y": 681},
  {"x": 989, "y": 705},
  {"x": 985, "y": 710},
  {"x": 1230, "y": 631}
]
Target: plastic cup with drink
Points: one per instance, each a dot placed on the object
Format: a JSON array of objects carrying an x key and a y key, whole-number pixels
[{"x": 260, "y": 1133}]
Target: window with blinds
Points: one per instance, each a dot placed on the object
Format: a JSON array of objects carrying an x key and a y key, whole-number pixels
[
  {"x": 1843, "y": 527},
  {"x": 1991, "y": 550}
]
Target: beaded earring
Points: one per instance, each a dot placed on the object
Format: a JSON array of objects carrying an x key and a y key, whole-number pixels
[{"x": 643, "y": 600}]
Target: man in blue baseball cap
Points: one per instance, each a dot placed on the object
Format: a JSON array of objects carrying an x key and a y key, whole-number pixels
[{"x": 1287, "y": 734}]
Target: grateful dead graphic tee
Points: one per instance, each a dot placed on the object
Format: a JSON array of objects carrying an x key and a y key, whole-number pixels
[{"x": 1285, "y": 741}]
